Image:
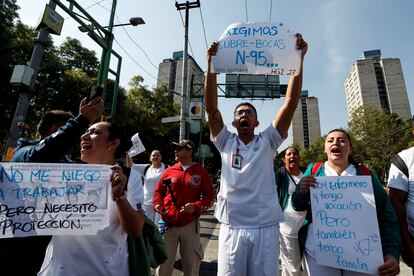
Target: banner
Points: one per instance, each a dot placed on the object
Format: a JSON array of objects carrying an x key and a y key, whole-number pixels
[
  {"x": 257, "y": 48},
  {"x": 345, "y": 226},
  {"x": 53, "y": 199}
]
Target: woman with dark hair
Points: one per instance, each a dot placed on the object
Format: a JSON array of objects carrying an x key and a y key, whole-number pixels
[
  {"x": 338, "y": 147},
  {"x": 287, "y": 178},
  {"x": 107, "y": 252}
]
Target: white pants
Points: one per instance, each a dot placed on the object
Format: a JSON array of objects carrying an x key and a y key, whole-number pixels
[
  {"x": 290, "y": 255},
  {"x": 151, "y": 214},
  {"x": 248, "y": 251},
  {"x": 314, "y": 269}
]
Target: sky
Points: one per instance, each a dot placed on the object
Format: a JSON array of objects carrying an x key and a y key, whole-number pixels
[{"x": 337, "y": 31}]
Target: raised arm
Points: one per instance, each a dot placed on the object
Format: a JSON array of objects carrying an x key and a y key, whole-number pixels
[
  {"x": 215, "y": 121},
  {"x": 285, "y": 114}
]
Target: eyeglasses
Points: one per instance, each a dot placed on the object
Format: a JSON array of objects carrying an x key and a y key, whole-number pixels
[{"x": 241, "y": 112}]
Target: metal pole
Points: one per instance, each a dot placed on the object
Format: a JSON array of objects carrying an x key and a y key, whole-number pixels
[
  {"x": 184, "y": 108},
  {"x": 22, "y": 107}
]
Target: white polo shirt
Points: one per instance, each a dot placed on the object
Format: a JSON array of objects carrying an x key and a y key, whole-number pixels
[
  {"x": 398, "y": 180},
  {"x": 248, "y": 196},
  {"x": 105, "y": 254}
]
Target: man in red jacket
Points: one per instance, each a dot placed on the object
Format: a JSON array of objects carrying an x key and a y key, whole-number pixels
[{"x": 182, "y": 193}]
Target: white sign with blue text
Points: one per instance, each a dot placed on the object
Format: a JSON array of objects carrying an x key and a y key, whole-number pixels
[
  {"x": 53, "y": 199},
  {"x": 257, "y": 48},
  {"x": 345, "y": 227}
]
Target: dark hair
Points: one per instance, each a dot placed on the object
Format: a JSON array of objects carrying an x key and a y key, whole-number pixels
[
  {"x": 248, "y": 104},
  {"x": 50, "y": 118},
  {"x": 350, "y": 158},
  {"x": 125, "y": 144},
  {"x": 295, "y": 149}
]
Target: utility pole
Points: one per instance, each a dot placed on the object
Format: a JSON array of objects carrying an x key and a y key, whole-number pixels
[
  {"x": 184, "y": 106},
  {"x": 22, "y": 107}
]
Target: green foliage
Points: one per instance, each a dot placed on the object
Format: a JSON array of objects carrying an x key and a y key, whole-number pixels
[
  {"x": 378, "y": 136},
  {"x": 142, "y": 110},
  {"x": 315, "y": 152}
]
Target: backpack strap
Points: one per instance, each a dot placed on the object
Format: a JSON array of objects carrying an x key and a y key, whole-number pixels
[
  {"x": 146, "y": 168},
  {"x": 400, "y": 164},
  {"x": 316, "y": 167},
  {"x": 364, "y": 170}
]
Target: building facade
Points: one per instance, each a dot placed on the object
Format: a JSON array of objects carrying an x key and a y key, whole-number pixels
[
  {"x": 378, "y": 82},
  {"x": 170, "y": 73},
  {"x": 306, "y": 127}
]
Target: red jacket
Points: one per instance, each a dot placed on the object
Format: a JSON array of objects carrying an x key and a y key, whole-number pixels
[{"x": 191, "y": 186}]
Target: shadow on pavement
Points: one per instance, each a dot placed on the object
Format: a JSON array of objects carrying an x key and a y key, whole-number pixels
[{"x": 206, "y": 268}]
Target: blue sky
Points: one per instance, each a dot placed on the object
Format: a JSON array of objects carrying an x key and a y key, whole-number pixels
[{"x": 338, "y": 31}]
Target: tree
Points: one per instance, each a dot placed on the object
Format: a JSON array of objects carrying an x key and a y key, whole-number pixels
[
  {"x": 378, "y": 136},
  {"x": 313, "y": 153},
  {"x": 142, "y": 110}
]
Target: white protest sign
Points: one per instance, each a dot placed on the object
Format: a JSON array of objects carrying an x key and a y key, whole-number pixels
[
  {"x": 345, "y": 226},
  {"x": 137, "y": 146},
  {"x": 53, "y": 199},
  {"x": 257, "y": 48}
]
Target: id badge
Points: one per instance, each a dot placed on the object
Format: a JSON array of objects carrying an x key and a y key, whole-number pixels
[{"x": 236, "y": 161}]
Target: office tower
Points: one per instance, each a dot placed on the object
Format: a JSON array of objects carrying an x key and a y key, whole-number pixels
[
  {"x": 378, "y": 82},
  {"x": 306, "y": 127},
  {"x": 170, "y": 73}
]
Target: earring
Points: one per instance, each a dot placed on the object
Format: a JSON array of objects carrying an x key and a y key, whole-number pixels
[{"x": 109, "y": 149}]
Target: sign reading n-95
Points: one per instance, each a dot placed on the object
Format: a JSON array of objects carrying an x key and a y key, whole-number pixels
[
  {"x": 257, "y": 48},
  {"x": 53, "y": 199}
]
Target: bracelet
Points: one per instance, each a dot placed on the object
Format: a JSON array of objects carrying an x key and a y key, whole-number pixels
[{"x": 116, "y": 199}]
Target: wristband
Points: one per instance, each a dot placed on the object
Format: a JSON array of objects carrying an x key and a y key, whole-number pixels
[{"x": 119, "y": 198}]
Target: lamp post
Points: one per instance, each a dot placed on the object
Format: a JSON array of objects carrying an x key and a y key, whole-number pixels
[{"x": 106, "y": 55}]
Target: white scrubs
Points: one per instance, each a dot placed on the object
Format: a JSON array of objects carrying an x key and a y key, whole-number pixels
[{"x": 247, "y": 204}]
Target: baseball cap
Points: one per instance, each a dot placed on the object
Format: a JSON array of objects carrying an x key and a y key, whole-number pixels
[{"x": 184, "y": 144}]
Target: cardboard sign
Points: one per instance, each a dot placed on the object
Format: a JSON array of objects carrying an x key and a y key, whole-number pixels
[
  {"x": 53, "y": 199},
  {"x": 257, "y": 48},
  {"x": 345, "y": 226}
]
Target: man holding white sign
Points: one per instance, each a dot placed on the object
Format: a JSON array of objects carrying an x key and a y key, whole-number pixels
[
  {"x": 247, "y": 204},
  {"x": 339, "y": 241}
]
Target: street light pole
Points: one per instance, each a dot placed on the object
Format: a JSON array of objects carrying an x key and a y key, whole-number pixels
[
  {"x": 184, "y": 106},
  {"x": 22, "y": 107}
]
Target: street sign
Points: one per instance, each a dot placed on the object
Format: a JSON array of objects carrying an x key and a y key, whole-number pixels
[
  {"x": 170, "y": 119},
  {"x": 51, "y": 20}
]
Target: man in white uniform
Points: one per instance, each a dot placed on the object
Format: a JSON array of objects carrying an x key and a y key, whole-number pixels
[
  {"x": 401, "y": 193},
  {"x": 247, "y": 204}
]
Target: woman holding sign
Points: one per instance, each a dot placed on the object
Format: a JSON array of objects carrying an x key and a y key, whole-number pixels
[
  {"x": 107, "y": 252},
  {"x": 338, "y": 147}
]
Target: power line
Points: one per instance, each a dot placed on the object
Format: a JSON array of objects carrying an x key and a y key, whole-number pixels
[
  {"x": 189, "y": 43},
  {"x": 126, "y": 52},
  {"x": 270, "y": 13},
  {"x": 204, "y": 29},
  {"x": 245, "y": 5}
]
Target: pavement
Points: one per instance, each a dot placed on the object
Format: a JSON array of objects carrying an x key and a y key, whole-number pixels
[{"x": 209, "y": 231}]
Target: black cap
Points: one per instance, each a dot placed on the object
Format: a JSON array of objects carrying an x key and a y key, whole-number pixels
[{"x": 184, "y": 144}]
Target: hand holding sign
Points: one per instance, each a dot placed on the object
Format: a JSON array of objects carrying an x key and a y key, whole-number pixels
[{"x": 258, "y": 48}]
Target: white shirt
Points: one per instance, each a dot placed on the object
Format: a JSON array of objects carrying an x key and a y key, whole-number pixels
[
  {"x": 104, "y": 254},
  {"x": 398, "y": 180},
  {"x": 293, "y": 219},
  {"x": 248, "y": 196},
  {"x": 151, "y": 178},
  {"x": 310, "y": 244}
]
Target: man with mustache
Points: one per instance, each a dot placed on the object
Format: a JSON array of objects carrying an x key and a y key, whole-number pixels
[{"x": 247, "y": 204}]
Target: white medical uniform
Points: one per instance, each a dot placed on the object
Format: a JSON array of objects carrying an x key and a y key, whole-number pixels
[
  {"x": 398, "y": 180},
  {"x": 247, "y": 205},
  {"x": 151, "y": 178},
  {"x": 104, "y": 254}
]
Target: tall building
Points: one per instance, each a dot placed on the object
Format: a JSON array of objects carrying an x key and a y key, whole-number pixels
[
  {"x": 170, "y": 73},
  {"x": 306, "y": 126},
  {"x": 378, "y": 82}
]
